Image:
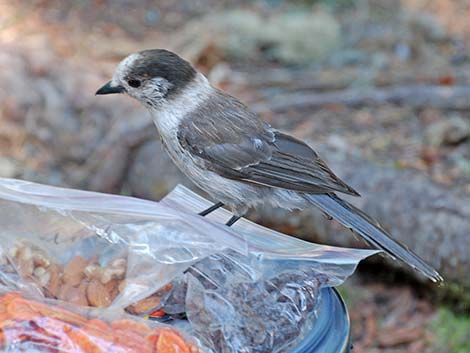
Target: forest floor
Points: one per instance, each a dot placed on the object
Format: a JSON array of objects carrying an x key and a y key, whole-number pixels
[{"x": 407, "y": 55}]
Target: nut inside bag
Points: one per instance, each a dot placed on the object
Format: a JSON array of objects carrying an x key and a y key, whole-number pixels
[
  {"x": 67, "y": 243},
  {"x": 245, "y": 288},
  {"x": 89, "y": 273}
]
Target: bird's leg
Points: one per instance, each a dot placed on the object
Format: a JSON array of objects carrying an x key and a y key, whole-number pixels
[
  {"x": 211, "y": 209},
  {"x": 232, "y": 220}
]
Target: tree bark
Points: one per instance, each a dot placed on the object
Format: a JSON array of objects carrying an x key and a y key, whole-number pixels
[{"x": 414, "y": 96}]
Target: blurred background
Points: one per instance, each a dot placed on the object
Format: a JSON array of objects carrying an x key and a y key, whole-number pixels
[{"x": 380, "y": 88}]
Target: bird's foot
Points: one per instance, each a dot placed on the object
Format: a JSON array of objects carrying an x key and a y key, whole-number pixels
[
  {"x": 216, "y": 206},
  {"x": 232, "y": 220},
  {"x": 211, "y": 209}
]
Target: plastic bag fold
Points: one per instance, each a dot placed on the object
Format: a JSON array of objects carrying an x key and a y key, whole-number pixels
[{"x": 163, "y": 256}]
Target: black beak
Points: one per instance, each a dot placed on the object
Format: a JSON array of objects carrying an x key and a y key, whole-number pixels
[{"x": 108, "y": 89}]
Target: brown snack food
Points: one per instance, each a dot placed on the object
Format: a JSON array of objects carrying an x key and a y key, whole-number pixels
[
  {"x": 53, "y": 286},
  {"x": 74, "y": 271},
  {"x": 25, "y": 261},
  {"x": 122, "y": 286},
  {"x": 110, "y": 274},
  {"x": 65, "y": 292},
  {"x": 112, "y": 287},
  {"x": 98, "y": 295},
  {"x": 70, "y": 281},
  {"x": 74, "y": 295},
  {"x": 144, "y": 306},
  {"x": 93, "y": 271},
  {"x": 40, "y": 260},
  {"x": 116, "y": 270},
  {"x": 42, "y": 275}
]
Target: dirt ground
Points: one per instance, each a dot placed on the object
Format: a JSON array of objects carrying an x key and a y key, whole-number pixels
[
  {"x": 51, "y": 48},
  {"x": 395, "y": 319}
]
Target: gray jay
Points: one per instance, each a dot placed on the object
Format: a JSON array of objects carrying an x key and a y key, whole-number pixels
[{"x": 236, "y": 157}]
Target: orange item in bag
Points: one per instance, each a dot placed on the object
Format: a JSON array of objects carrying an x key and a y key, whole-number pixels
[{"x": 53, "y": 329}]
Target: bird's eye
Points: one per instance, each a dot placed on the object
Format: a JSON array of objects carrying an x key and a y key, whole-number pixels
[{"x": 134, "y": 83}]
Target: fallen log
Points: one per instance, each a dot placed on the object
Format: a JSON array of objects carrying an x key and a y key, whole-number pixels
[
  {"x": 414, "y": 96},
  {"x": 296, "y": 80}
]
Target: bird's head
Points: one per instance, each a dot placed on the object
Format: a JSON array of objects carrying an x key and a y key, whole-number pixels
[{"x": 150, "y": 76}]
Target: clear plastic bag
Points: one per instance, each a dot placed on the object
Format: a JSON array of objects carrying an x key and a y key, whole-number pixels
[
  {"x": 267, "y": 308},
  {"x": 157, "y": 242},
  {"x": 171, "y": 258},
  {"x": 29, "y": 325}
]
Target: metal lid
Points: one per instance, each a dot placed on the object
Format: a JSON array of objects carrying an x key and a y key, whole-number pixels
[{"x": 331, "y": 331}]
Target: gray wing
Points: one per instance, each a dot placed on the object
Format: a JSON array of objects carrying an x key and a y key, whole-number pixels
[
  {"x": 226, "y": 138},
  {"x": 230, "y": 140}
]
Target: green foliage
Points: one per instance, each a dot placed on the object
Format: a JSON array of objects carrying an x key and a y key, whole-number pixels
[
  {"x": 451, "y": 332},
  {"x": 455, "y": 295},
  {"x": 343, "y": 291}
]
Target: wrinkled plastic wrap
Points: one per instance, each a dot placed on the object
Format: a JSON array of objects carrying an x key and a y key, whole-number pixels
[
  {"x": 29, "y": 325},
  {"x": 243, "y": 289},
  {"x": 232, "y": 311}
]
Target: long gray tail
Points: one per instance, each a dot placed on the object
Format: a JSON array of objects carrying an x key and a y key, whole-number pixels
[{"x": 360, "y": 223}]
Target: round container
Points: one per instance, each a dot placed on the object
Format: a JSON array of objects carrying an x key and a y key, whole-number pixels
[{"x": 331, "y": 331}]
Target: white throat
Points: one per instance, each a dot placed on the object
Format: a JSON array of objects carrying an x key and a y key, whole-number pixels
[{"x": 169, "y": 114}]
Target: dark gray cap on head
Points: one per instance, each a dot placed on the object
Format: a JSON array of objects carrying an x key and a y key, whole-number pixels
[{"x": 162, "y": 63}]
